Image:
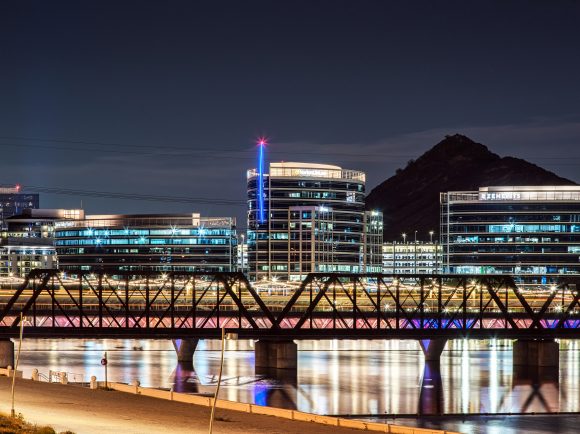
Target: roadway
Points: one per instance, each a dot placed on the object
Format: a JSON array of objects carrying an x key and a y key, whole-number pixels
[{"x": 86, "y": 411}]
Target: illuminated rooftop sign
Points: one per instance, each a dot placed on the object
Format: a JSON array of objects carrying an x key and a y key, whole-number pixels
[
  {"x": 551, "y": 193},
  {"x": 313, "y": 173},
  {"x": 310, "y": 170},
  {"x": 507, "y": 195}
]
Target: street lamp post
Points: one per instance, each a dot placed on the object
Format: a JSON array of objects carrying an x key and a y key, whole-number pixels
[
  {"x": 12, "y": 411},
  {"x": 217, "y": 391}
]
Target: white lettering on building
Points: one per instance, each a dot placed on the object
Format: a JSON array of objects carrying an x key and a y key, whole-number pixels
[{"x": 503, "y": 195}]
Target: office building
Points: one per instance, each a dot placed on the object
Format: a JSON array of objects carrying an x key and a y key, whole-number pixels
[
  {"x": 175, "y": 242},
  {"x": 38, "y": 223},
  {"x": 373, "y": 242},
  {"x": 414, "y": 257},
  {"x": 13, "y": 201},
  {"x": 304, "y": 218},
  {"x": 242, "y": 256},
  {"x": 532, "y": 232},
  {"x": 27, "y": 241}
]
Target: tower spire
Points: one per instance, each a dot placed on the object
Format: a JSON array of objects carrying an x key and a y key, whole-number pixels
[{"x": 261, "y": 212}]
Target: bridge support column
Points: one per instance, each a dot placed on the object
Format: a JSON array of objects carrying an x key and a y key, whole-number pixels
[
  {"x": 276, "y": 355},
  {"x": 538, "y": 353},
  {"x": 6, "y": 353},
  {"x": 185, "y": 349},
  {"x": 432, "y": 348}
]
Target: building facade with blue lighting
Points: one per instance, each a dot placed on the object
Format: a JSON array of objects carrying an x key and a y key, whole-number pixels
[
  {"x": 176, "y": 242},
  {"x": 532, "y": 232},
  {"x": 304, "y": 218}
]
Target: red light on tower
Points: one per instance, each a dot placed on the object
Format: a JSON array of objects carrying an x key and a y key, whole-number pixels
[
  {"x": 17, "y": 187},
  {"x": 262, "y": 141}
]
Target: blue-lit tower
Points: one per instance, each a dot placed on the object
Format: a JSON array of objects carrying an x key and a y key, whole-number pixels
[
  {"x": 305, "y": 218},
  {"x": 261, "y": 211},
  {"x": 258, "y": 213}
]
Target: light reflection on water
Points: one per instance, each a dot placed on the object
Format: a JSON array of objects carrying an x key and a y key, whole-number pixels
[{"x": 334, "y": 377}]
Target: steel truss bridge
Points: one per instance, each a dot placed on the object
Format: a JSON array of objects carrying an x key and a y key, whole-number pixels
[{"x": 323, "y": 306}]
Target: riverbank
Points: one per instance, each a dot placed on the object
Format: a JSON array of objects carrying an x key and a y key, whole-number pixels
[
  {"x": 17, "y": 425},
  {"x": 85, "y": 411}
]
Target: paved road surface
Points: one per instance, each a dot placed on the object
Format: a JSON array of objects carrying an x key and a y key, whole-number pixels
[{"x": 86, "y": 411}]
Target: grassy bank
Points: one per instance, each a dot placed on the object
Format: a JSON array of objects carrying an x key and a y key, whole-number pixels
[{"x": 17, "y": 425}]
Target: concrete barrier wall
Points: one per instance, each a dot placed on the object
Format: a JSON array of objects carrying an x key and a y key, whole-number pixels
[
  {"x": 258, "y": 409},
  {"x": 271, "y": 411},
  {"x": 10, "y": 372}
]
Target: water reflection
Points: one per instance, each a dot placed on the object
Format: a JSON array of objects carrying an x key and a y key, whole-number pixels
[
  {"x": 276, "y": 392},
  {"x": 334, "y": 377},
  {"x": 185, "y": 379},
  {"x": 431, "y": 396},
  {"x": 536, "y": 385}
]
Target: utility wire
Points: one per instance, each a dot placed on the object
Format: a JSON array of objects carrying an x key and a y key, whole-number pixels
[
  {"x": 214, "y": 152},
  {"x": 132, "y": 196},
  {"x": 187, "y": 150}
]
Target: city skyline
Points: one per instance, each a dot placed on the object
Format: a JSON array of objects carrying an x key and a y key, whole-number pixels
[
  {"x": 169, "y": 101},
  {"x": 289, "y": 216}
]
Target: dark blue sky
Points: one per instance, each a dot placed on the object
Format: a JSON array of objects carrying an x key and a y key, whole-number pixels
[{"x": 166, "y": 97}]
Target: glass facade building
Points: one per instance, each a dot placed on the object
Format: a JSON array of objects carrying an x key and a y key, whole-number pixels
[
  {"x": 531, "y": 232},
  {"x": 373, "y": 242},
  {"x": 19, "y": 257},
  {"x": 412, "y": 258},
  {"x": 27, "y": 241},
  {"x": 304, "y": 218},
  {"x": 13, "y": 201},
  {"x": 176, "y": 242}
]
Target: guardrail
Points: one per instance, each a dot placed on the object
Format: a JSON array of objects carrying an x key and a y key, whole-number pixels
[
  {"x": 223, "y": 404},
  {"x": 296, "y": 415}
]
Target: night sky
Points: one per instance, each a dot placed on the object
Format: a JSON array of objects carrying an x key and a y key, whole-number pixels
[{"x": 166, "y": 98}]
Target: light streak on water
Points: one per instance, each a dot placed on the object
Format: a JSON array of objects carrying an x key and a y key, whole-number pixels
[{"x": 334, "y": 377}]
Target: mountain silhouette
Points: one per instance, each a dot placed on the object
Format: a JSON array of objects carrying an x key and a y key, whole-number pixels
[{"x": 410, "y": 199}]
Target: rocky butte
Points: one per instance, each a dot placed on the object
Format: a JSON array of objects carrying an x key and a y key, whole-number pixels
[{"x": 410, "y": 198}]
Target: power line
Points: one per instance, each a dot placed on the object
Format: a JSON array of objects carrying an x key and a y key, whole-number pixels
[
  {"x": 214, "y": 152},
  {"x": 132, "y": 196},
  {"x": 186, "y": 150}
]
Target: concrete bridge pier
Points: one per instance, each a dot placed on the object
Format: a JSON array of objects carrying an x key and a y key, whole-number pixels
[
  {"x": 6, "y": 353},
  {"x": 276, "y": 358},
  {"x": 185, "y": 349},
  {"x": 536, "y": 354},
  {"x": 432, "y": 349}
]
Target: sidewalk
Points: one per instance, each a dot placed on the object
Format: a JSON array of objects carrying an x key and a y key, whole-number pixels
[{"x": 86, "y": 411}]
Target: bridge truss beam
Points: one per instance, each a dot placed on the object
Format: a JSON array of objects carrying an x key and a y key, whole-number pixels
[{"x": 324, "y": 306}]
